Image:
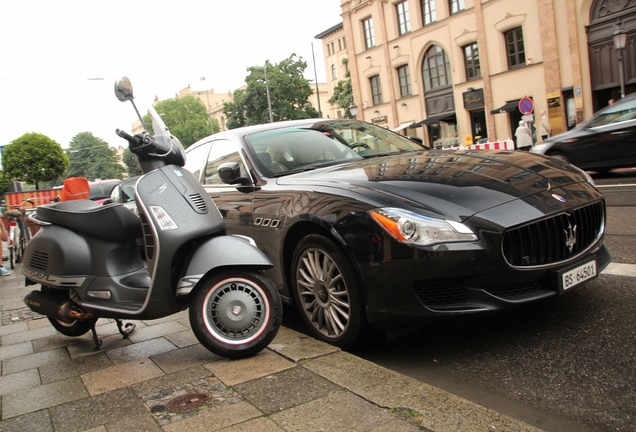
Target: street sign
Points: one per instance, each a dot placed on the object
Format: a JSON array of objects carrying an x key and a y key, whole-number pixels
[{"x": 526, "y": 106}]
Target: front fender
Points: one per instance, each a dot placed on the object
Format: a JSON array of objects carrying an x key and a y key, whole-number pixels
[{"x": 217, "y": 252}]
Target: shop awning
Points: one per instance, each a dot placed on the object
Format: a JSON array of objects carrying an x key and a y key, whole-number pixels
[
  {"x": 435, "y": 119},
  {"x": 508, "y": 107},
  {"x": 402, "y": 126}
]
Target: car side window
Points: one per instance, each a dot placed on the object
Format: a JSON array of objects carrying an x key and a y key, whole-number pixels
[
  {"x": 619, "y": 112},
  {"x": 128, "y": 192},
  {"x": 195, "y": 158},
  {"x": 222, "y": 151}
]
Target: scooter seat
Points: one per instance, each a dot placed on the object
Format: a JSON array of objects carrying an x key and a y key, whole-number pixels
[{"x": 110, "y": 222}]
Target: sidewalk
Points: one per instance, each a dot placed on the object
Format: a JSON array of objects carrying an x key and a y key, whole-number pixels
[{"x": 162, "y": 379}]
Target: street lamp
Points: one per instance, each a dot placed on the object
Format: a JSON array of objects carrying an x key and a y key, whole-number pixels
[
  {"x": 269, "y": 100},
  {"x": 353, "y": 109},
  {"x": 620, "y": 39}
]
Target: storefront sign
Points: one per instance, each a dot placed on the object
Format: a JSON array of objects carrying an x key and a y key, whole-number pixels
[
  {"x": 474, "y": 99},
  {"x": 380, "y": 121}
]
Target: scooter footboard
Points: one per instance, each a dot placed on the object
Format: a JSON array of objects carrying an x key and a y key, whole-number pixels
[{"x": 222, "y": 251}]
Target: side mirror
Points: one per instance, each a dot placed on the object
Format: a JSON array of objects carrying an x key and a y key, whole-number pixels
[
  {"x": 123, "y": 89},
  {"x": 230, "y": 173}
]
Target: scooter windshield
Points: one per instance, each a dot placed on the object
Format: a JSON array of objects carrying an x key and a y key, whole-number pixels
[{"x": 167, "y": 144}]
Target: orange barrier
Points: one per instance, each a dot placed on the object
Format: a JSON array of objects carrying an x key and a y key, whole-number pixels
[{"x": 38, "y": 197}]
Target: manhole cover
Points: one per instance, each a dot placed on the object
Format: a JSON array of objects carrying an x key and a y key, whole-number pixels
[{"x": 188, "y": 402}]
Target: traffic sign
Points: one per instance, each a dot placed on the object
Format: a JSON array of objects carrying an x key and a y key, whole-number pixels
[{"x": 526, "y": 106}]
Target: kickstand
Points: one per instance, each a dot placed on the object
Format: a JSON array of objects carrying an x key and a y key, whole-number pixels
[
  {"x": 98, "y": 343},
  {"x": 125, "y": 330}
]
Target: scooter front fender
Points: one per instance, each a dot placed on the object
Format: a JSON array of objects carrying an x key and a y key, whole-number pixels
[{"x": 217, "y": 252}]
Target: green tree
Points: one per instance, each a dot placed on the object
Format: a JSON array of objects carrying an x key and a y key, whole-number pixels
[
  {"x": 91, "y": 157},
  {"x": 34, "y": 158},
  {"x": 289, "y": 95},
  {"x": 343, "y": 93},
  {"x": 4, "y": 184},
  {"x": 186, "y": 117},
  {"x": 131, "y": 163}
]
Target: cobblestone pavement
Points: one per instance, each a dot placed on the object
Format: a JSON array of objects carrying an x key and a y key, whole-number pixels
[{"x": 161, "y": 379}]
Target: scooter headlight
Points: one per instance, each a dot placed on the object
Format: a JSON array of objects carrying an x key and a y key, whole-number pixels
[{"x": 163, "y": 218}]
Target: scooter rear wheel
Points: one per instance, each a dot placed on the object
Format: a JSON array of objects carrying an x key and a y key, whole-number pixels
[
  {"x": 235, "y": 313},
  {"x": 73, "y": 329}
]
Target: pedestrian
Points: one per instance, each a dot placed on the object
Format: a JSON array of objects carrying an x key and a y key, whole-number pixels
[
  {"x": 545, "y": 130},
  {"x": 4, "y": 236},
  {"x": 524, "y": 137}
]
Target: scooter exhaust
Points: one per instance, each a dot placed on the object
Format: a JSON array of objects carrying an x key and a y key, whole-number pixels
[{"x": 54, "y": 307}]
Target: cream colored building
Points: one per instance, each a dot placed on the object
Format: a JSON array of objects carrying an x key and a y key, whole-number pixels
[{"x": 447, "y": 69}]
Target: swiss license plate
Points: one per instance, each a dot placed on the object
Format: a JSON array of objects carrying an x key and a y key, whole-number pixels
[{"x": 578, "y": 275}]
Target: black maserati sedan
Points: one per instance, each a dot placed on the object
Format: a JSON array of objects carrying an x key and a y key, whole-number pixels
[{"x": 370, "y": 231}]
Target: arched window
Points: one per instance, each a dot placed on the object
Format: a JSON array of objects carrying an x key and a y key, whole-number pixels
[{"x": 436, "y": 69}]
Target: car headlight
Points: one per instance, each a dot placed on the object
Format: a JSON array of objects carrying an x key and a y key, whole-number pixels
[{"x": 413, "y": 228}]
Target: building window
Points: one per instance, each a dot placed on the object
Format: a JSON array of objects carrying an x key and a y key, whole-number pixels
[
  {"x": 376, "y": 89},
  {"x": 471, "y": 60},
  {"x": 456, "y": 6},
  {"x": 405, "y": 80},
  {"x": 369, "y": 35},
  {"x": 334, "y": 73},
  {"x": 429, "y": 14},
  {"x": 515, "y": 51},
  {"x": 339, "y": 44},
  {"x": 404, "y": 20},
  {"x": 436, "y": 69}
]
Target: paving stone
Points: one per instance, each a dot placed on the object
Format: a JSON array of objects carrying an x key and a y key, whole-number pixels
[
  {"x": 38, "y": 323},
  {"x": 20, "y": 327},
  {"x": 215, "y": 418},
  {"x": 58, "y": 341},
  {"x": 297, "y": 346},
  {"x": 16, "y": 350},
  {"x": 183, "y": 339},
  {"x": 28, "y": 335},
  {"x": 155, "y": 331},
  {"x": 15, "y": 382},
  {"x": 43, "y": 396},
  {"x": 159, "y": 384},
  {"x": 87, "y": 348},
  {"x": 184, "y": 358},
  {"x": 120, "y": 376},
  {"x": 233, "y": 372},
  {"x": 140, "y": 350},
  {"x": 138, "y": 423},
  {"x": 32, "y": 361},
  {"x": 285, "y": 389},
  {"x": 337, "y": 409},
  {"x": 260, "y": 424},
  {"x": 104, "y": 409},
  {"x": 38, "y": 421},
  {"x": 70, "y": 368}
]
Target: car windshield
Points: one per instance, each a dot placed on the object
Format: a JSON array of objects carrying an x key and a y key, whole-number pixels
[
  {"x": 619, "y": 112},
  {"x": 287, "y": 150}
]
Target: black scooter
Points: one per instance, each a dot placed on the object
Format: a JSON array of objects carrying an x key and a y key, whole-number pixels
[{"x": 103, "y": 261}]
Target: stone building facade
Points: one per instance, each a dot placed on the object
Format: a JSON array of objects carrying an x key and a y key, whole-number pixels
[{"x": 449, "y": 71}]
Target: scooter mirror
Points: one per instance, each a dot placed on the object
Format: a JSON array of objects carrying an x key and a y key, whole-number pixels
[{"x": 123, "y": 89}]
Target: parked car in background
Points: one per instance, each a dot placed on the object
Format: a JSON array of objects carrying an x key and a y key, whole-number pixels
[
  {"x": 124, "y": 193},
  {"x": 101, "y": 189},
  {"x": 370, "y": 230},
  {"x": 605, "y": 142}
]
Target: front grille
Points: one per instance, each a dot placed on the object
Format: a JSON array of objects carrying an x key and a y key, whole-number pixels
[{"x": 556, "y": 239}]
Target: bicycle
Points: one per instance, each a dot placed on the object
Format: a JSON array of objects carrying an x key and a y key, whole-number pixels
[{"x": 19, "y": 234}]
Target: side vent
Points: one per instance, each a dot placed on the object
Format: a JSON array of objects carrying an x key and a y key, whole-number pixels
[
  {"x": 39, "y": 261},
  {"x": 199, "y": 203}
]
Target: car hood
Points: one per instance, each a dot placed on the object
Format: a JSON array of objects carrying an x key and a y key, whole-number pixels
[{"x": 456, "y": 184}]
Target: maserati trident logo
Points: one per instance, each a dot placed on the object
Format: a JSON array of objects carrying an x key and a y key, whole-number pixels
[{"x": 570, "y": 236}]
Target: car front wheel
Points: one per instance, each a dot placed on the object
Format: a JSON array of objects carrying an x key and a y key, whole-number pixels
[{"x": 327, "y": 293}]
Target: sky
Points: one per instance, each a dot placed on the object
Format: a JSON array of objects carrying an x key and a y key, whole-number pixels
[{"x": 59, "y": 59}]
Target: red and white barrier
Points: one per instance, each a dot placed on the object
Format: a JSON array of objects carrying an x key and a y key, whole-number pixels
[{"x": 495, "y": 145}]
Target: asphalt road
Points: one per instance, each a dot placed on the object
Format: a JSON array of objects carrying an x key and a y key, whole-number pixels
[{"x": 566, "y": 364}]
